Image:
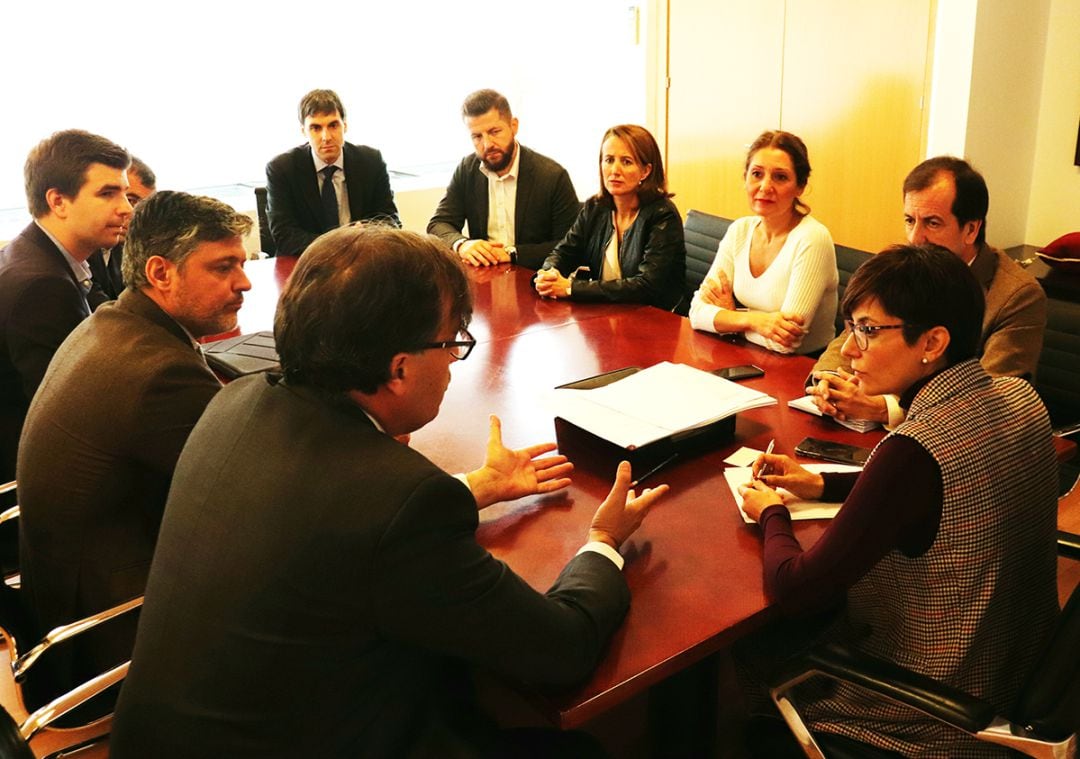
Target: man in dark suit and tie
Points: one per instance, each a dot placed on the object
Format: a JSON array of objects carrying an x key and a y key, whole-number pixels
[
  {"x": 317, "y": 588},
  {"x": 75, "y": 186},
  {"x": 107, "y": 425},
  {"x": 518, "y": 204},
  {"x": 105, "y": 264},
  {"x": 326, "y": 183}
]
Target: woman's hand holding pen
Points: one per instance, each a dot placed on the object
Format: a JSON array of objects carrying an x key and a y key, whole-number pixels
[{"x": 773, "y": 471}]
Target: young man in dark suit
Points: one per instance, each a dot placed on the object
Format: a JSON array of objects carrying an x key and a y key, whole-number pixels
[
  {"x": 518, "y": 204},
  {"x": 113, "y": 412},
  {"x": 301, "y": 204},
  {"x": 75, "y": 187},
  {"x": 317, "y": 588},
  {"x": 106, "y": 264}
]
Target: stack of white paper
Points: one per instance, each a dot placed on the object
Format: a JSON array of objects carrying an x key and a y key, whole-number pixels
[
  {"x": 799, "y": 509},
  {"x": 806, "y": 403},
  {"x": 656, "y": 402}
]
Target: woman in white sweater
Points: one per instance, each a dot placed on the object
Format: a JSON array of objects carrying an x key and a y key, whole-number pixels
[{"x": 774, "y": 277}]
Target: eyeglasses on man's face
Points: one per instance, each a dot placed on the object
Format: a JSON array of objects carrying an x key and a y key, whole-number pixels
[
  {"x": 459, "y": 348},
  {"x": 863, "y": 332}
]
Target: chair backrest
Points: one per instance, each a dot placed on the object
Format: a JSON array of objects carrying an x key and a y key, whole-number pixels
[
  {"x": 1050, "y": 699},
  {"x": 1057, "y": 376},
  {"x": 847, "y": 261},
  {"x": 266, "y": 240},
  {"x": 703, "y": 233}
]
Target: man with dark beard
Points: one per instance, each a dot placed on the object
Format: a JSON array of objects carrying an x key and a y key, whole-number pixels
[{"x": 518, "y": 203}]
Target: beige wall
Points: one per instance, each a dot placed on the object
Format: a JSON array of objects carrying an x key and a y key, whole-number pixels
[
  {"x": 1054, "y": 206},
  {"x": 1006, "y": 72}
]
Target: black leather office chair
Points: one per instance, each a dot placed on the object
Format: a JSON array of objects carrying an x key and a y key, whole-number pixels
[
  {"x": 1043, "y": 723},
  {"x": 847, "y": 261},
  {"x": 703, "y": 233},
  {"x": 266, "y": 240}
]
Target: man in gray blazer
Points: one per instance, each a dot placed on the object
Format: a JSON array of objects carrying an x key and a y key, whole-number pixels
[
  {"x": 75, "y": 188},
  {"x": 115, "y": 407},
  {"x": 518, "y": 204},
  {"x": 317, "y": 588}
]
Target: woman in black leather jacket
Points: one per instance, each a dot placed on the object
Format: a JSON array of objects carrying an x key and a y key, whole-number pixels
[{"x": 626, "y": 245}]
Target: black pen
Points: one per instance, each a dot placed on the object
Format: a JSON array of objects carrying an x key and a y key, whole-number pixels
[{"x": 654, "y": 470}]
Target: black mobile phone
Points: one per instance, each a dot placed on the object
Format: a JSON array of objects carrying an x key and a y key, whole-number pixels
[
  {"x": 827, "y": 450},
  {"x": 744, "y": 371}
]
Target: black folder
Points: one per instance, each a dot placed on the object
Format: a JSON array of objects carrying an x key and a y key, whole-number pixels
[{"x": 587, "y": 449}]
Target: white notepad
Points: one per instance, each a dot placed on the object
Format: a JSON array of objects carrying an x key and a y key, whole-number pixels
[{"x": 799, "y": 509}]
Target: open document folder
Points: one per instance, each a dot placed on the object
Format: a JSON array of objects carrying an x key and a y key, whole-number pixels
[
  {"x": 654, "y": 403},
  {"x": 737, "y": 475}
]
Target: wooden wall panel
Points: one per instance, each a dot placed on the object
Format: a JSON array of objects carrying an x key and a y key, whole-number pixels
[
  {"x": 725, "y": 68},
  {"x": 853, "y": 88},
  {"x": 848, "y": 76}
]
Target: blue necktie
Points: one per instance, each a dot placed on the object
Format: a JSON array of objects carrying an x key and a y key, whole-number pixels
[{"x": 329, "y": 199}]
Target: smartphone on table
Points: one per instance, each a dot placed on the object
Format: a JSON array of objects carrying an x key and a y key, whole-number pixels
[{"x": 828, "y": 450}]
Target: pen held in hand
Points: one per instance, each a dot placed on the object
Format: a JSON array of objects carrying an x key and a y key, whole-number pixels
[
  {"x": 654, "y": 470},
  {"x": 765, "y": 466}
]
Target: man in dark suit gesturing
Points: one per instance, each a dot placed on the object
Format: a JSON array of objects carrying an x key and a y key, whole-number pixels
[
  {"x": 317, "y": 588},
  {"x": 518, "y": 203},
  {"x": 113, "y": 412},
  {"x": 326, "y": 183},
  {"x": 75, "y": 187}
]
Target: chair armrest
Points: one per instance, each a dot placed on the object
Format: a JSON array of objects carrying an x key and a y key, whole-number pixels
[
  {"x": 8, "y": 514},
  {"x": 1068, "y": 544},
  {"x": 895, "y": 683},
  {"x": 59, "y": 634},
  {"x": 61, "y": 705}
]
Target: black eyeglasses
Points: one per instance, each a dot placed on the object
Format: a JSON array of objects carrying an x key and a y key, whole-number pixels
[
  {"x": 460, "y": 348},
  {"x": 863, "y": 332}
]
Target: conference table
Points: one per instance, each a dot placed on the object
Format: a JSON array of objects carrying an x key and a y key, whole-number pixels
[{"x": 694, "y": 566}]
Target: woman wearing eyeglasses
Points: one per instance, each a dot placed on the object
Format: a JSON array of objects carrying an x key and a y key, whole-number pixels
[
  {"x": 945, "y": 546},
  {"x": 626, "y": 245},
  {"x": 774, "y": 276}
]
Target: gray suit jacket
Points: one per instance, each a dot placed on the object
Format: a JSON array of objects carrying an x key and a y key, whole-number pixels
[
  {"x": 98, "y": 450},
  {"x": 293, "y": 202},
  {"x": 332, "y": 592},
  {"x": 545, "y": 207},
  {"x": 41, "y": 301}
]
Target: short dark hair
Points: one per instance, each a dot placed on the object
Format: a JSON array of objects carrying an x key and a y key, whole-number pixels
[
  {"x": 796, "y": 150},
  {"x": 480, "y": 102},
  {"x": 60, "y": 162},
  {"x": 645, "y": 151},
  {"x": 358, "y": 297},
  {"x": 924, "y": 286},
  {"x": 320, "y": 102},
  {"x": 972, "y": 200},
  {"x": 172, "y": 224},
  {"x": 146, "y": 174}
]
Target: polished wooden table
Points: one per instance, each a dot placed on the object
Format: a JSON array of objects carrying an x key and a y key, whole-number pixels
[{"x": 694, "y": 567}]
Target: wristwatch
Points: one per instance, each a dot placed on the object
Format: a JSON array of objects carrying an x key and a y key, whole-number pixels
[{"x": 512, "y": 250}]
